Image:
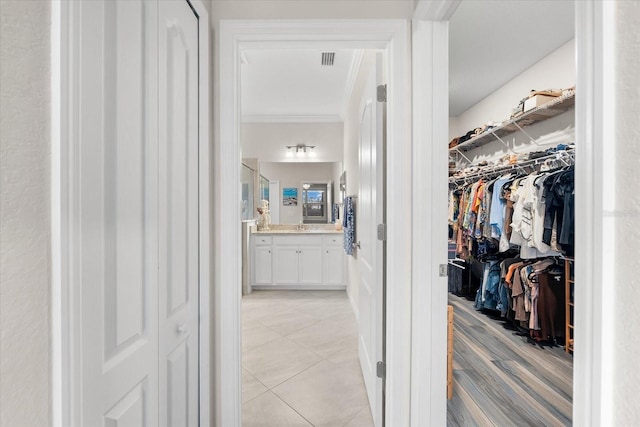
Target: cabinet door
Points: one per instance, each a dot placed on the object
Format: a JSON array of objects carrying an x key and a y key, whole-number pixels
[
  {"x": 333, "y": 265},
  {"x": 310, "y": 265},
  {"x": 263, "y": 265},
  {"x": 286, "y": 265}
]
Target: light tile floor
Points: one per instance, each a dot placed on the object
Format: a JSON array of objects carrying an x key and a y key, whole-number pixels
[{"x": 300, "y": 361}]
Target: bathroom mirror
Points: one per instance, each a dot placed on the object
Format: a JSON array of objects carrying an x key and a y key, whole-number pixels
[{"x": 264, "y": 189}]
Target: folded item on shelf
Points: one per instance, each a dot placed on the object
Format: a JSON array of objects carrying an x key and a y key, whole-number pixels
[
  {"x": 454, "y": 142},
  {"x": 467, "y": 136}
]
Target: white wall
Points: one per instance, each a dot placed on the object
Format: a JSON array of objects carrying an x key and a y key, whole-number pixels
[
  {"x": 267, "y": 141},
  {"x": 24, "y": 213},
  {"x": 556, "y": 70},
  {"x": 292, "y": 175},
  {"x": 625, "y": 214},
  {"x": 351, "y": 160}
]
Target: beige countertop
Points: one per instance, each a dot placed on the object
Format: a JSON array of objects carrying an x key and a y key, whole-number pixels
[{"x": 298, "y": 232}]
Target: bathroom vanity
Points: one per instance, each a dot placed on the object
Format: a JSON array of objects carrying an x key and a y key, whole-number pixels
[{"x": 297, "y": 259}]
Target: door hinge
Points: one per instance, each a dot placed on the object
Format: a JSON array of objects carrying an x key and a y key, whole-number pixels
[
  {"x": 382, "y": 93},
  {"x": 381, "y": 370},
  {"x": 442, "y": 269},
  {"x": 382, "y": 232}
]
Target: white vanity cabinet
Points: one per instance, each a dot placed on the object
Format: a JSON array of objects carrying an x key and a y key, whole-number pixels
[
  {"x": 263, "y": 260},
  {"x": 298, "y": 261},
  {"x": 334, "y": 259}
]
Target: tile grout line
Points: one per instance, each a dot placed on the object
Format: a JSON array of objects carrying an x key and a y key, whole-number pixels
[{"x": 293, "y": 409}]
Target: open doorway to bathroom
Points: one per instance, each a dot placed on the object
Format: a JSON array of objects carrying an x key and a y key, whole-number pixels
[{"x": 306, "y": 114}]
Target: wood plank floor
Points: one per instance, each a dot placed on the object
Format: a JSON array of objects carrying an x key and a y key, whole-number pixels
[{"x": 503, "y": 379}]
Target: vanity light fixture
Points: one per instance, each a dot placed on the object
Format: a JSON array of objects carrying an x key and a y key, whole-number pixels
[
  {"x": 301, "y": 150},
  {"x": 306, "y": 185}
]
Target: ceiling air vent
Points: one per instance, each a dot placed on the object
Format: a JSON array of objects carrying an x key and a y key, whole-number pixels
[{"x": 327, "y": 58}]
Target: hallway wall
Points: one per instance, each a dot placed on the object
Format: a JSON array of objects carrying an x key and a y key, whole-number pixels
[
  {"x": 25, "y": 233},
  {"x": 623, "y": 278}
]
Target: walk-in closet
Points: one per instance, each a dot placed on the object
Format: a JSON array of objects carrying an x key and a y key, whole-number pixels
[{"x": 511, "y": 213}]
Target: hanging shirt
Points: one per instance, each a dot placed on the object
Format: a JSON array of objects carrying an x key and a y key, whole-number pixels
[{"x": 496, "y": 215}]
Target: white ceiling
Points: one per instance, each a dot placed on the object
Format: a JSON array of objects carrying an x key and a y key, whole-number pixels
[
  {"x": 492, "y": 41},
  {"x": 292, "y": 85}
]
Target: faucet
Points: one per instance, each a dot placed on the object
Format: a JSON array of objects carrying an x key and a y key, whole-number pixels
[{"x": 300, "y": 226}]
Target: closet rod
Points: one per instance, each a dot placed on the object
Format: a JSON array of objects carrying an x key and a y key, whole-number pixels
[{"x": 567, "y": 157}]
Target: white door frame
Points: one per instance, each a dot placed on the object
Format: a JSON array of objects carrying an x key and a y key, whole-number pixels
[
  {"x": 593, "y": 360},
  {"x": 392, "y": 35},
  {"x": 65, "y": 307}
]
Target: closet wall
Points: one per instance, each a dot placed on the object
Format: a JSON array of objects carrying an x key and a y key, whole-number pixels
[{"x": 556, "y": 70}]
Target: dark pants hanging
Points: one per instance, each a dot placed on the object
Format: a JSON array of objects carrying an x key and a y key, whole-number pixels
[{"x": 551, "y": 309}]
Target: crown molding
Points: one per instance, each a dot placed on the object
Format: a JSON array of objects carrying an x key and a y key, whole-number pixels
[{"x": 435, "y": 10}]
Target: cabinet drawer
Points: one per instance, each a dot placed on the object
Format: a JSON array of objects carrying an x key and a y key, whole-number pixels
[
  {"x": 298, "y": 240},
  {"x": 263, "y": 240},
  {"x": 333, "y": 240}
]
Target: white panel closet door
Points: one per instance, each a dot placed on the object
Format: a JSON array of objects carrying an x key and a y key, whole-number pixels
[
  {"x": 178, "y": 213},
  {"x": 369, "y": 213},
  {"x": 115, "y": 256}
]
